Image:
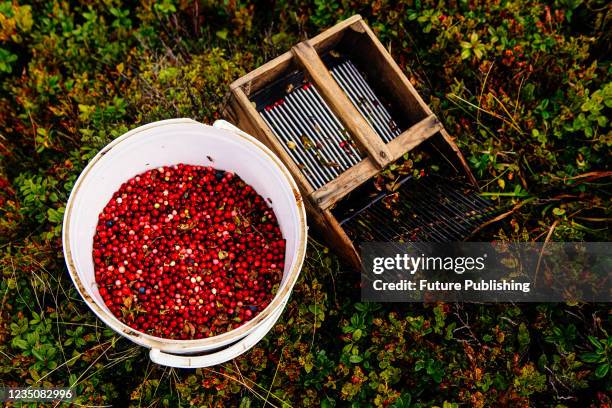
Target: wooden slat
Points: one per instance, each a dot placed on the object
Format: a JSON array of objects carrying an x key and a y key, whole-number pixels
[
  {"x": 449, "y": 140},
  {"x": 330, "y": 37},
  {"x": 333, "y": 233},
  {"x": 261, "y": 130},
  {"x": 337, "y": 100},
  {"x": 390, "y": 72},
  {"x": 352, "y": 178},
  {"x": 341, "y": 241},
  {"x": 414, "y": 136},
  {"x": 266, "y": 73},
  {"x": 260, "y": 77},
  {"x": 346, "y": 182}
]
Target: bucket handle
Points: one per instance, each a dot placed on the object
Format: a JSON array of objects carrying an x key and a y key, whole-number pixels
[
  {"x": 221, "y": 356},
  {"x": 224, "y": 124}
]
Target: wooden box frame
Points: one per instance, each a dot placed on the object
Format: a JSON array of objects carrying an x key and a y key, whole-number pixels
[{"x": 352, "y": 33}]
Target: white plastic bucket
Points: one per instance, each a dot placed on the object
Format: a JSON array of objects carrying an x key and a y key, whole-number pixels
[{"x": 184, "y": 141}]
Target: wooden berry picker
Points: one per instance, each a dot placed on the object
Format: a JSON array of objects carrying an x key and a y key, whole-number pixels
[{"x": 340, "y": 113}]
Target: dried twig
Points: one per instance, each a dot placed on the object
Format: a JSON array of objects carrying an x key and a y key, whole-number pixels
[
  {"x": 504, "y": 215},
  {"x": 550, "y": 231}
]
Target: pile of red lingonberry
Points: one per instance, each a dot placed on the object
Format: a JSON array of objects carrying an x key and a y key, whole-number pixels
[{"x": 187, "y": 252}]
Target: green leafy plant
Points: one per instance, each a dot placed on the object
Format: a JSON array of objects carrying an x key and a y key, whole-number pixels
[
  {"x": 473, "y": 47},
  {"x": 601, "y": 356}
]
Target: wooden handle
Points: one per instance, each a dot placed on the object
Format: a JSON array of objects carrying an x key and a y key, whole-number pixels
[{"x": 339, "y": 103}]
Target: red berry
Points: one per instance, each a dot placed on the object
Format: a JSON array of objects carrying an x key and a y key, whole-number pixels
[{"x": 187, "y": 252}]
